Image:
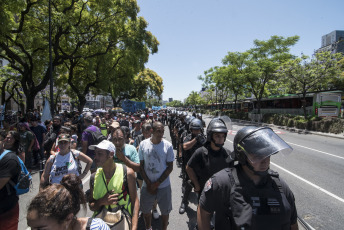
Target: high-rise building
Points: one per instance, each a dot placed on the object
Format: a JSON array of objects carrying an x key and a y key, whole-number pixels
[
  {"x": 170, "y": 99},
  {"x": 333, "y": 42}
]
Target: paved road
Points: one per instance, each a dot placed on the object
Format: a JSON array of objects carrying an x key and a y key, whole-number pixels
[{"x": 313, "y": 171}]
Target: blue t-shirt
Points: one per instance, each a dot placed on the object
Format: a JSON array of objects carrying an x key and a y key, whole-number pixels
[
  {"x": 155, "y": 159},
  {"x": 131, "y": 153}
]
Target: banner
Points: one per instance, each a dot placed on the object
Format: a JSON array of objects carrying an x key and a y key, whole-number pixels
[
  {"x": 132, "y": 106},
  {"x": 46, "y": 115}
]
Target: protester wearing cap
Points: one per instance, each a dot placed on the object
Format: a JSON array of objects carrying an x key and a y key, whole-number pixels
[
  {"x": 136, "y": 131},
  {"x": 64, "y": 162},
  {"x": 114, "y": 125},
  {"x": 106, "y": 184}
]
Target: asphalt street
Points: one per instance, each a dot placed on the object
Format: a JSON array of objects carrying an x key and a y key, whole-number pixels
[{"x": 313, "y": 171}]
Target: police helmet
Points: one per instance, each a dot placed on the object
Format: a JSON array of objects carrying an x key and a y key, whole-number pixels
[
  {"x": 199, "y": 115},
  {"x": 188, "y": 119},
  {"x": 257, "y": 143},
  {"x": 196, "y": 124},
  {"x": 216, "y": 125}
]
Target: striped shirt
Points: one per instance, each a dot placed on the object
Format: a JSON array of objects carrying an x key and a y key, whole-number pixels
[{"x": 98, "y": 224}]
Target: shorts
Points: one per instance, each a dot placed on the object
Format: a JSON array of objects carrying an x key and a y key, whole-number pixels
[{"x": 163, "y": 196}]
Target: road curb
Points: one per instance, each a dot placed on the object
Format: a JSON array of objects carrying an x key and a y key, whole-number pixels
[{"x": 303, "y": 131}]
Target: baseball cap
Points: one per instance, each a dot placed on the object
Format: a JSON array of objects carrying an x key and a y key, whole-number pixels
[
  {"x": 64, "y": 137},
  {"x": 137, "y": 121},
  {"x": 105, "y": 144}
]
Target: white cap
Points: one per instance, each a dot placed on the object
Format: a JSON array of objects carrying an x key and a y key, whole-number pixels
[{"x": 105, "y": 144}]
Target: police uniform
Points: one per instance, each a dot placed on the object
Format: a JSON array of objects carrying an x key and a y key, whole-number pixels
[
  {"x": 206, "y": 162},
  {"x": 240, "y": 204},
  {"x": 186, "y": 188}
]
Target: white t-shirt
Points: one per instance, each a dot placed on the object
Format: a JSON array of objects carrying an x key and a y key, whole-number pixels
[
  {"x": 63, "y": 165},
  {"x": 155, "y": 159}
]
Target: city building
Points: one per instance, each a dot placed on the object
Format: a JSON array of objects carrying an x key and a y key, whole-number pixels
[{"x": 333, "y": 42}]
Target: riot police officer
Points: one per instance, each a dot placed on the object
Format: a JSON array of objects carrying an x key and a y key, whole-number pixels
[
  {"x": 199, "y": 116},
  {"x": 212, "y": 157},
  {"x": 250, "y": 195},
  {"x": 191, "y": 142}
]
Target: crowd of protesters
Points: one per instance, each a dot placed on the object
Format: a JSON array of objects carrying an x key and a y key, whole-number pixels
[
  {"x": 126, "y": 154},
  {"x": 58, "y": 145}
]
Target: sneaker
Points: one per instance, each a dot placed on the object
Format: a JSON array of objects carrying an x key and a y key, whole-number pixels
[{"x": 155, "y": 214}]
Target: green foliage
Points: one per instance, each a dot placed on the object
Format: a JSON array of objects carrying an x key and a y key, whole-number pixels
[
  {"x": 194, "y": 99},
  {"x": 302, "y": 75},
  {"x": 97, "y": 45},
  {"x": 175, "y": 103},
  {"x": 332, "y": 125}
]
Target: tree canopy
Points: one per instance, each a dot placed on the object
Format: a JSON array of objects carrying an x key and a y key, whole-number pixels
[{"x": 94, "y": 43}]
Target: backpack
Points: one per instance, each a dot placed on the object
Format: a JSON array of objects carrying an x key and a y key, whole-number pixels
[
  {"x": 24, "y": 181},
  {"x": 97, "y": 136}
]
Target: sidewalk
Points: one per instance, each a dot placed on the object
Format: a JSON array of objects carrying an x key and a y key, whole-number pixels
[{"x": 292, "y": 129}]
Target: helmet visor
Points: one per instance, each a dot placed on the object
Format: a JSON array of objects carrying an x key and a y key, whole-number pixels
[{"x": 262, "y": 144}]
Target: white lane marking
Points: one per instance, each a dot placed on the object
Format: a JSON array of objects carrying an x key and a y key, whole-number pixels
[
  {"x": 310, "y": 183},
  {"x": 316, "y": 150},
  {"x": 306, "y": 181},
  {"x": 85, "y": 180}
]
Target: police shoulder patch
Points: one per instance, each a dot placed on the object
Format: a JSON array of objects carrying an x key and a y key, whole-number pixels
[{"x": 208, "y": 185}]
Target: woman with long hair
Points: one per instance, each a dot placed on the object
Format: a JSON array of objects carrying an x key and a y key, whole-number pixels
[{"x": 56, "y": 207}]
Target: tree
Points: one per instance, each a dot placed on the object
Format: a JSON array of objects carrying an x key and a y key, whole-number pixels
[
  {"x": 194, "y": 99},
  {"x": 175, "y": 103},
  {"x": 83, "y": 33},
  {"x": 263, "y": 61},
  {"x": 233, "y": 73},
  {"x": 304, "y": 75},
  {"x": 146, "y": 84}
]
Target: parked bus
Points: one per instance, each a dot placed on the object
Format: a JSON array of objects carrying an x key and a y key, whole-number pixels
[
  {"x": 323, "y": 104},
  {"x": 327, "y": 104}
]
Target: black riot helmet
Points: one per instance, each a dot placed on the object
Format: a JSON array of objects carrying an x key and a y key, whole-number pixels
[
  {"x": 196, "y": 124},
  {"x": 188, "y": 119},
  {"x": 216, "y": 125},
  {"x": 254, "y": 144}
]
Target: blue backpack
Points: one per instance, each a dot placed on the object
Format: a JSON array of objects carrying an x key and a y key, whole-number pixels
[{"x": 24, "y": 180}]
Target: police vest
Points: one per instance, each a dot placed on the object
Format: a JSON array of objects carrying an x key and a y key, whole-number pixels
[
  {"x": 250, "y": 207},
  {"x": 188, "y": 153},
  {"x": 103, "y": 129},
  {"x": 118, "y": 184}
]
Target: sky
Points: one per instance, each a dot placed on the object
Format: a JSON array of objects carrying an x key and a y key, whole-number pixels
[{"x": 195, "y": 35}]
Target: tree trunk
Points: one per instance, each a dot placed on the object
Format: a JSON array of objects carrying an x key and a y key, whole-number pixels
[{"x": 81, "y": 104}]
